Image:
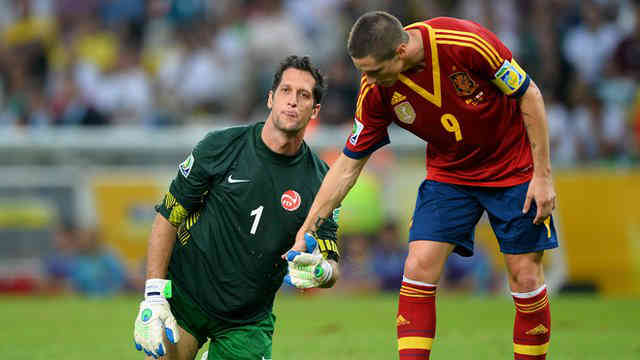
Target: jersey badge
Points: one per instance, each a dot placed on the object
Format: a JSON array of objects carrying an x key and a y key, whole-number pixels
[
  {"x": 290, "y": 200},
  {"x": 186, "y": 165},
  {"x": 397, "y": 97},
  {"x": 355, "y": 132},
  {"x": 463, "y": 83},
  {"x": 405, "y": 112}
]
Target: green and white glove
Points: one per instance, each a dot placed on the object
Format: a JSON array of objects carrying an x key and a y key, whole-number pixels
[
  {"x": 154, "y": 319},
  {"x": 308, "y": 269}
]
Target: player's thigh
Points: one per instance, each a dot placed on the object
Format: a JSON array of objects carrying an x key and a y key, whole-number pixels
[
  {"x": 245, "y": 342},
  {"x": 445, "y": 213},
  {"x": 426, "y": 260},
  {"x": 515, "y": 231},
  {"x": 185, "y": 349}
]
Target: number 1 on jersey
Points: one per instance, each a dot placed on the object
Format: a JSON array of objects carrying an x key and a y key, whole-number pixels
[
  {"x": 452, "y": 125},
  {"x": 257, "y": 212}
]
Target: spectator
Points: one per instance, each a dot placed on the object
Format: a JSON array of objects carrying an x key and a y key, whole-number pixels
[{"x": 588, "y": 45}]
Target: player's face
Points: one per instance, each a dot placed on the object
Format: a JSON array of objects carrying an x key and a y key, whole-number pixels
[
  {"x": 384, "y": 73},
  {"x": 292, "y": 104}
]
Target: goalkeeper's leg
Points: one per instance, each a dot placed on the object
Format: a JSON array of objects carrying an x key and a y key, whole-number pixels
[
  {"x": 416, "y": 320},
  {"x": 185, "y": 349}
]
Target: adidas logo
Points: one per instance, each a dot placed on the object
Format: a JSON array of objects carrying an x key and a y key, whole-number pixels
[
  {"x": 397, "y": 97},
  {"x": 400, "y": 320},
  {"x": 538, "y": 330}
]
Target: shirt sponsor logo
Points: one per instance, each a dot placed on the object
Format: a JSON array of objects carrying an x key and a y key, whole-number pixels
[
  {"x": 355, "y": 132},
  {"x": 290, "y": 200},
  {"x": 186, "y": 165},
  {"x": 405, "y": 112},
  {"x": 463, "y": 83}
]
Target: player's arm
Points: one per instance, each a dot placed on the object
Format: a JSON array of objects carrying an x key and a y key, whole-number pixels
[
  {"x": 154, "y": 316},
  {"x": 336, "y": 185},
  {"x": 496, "y": 61},
  {"x": 161, "y": 241},
  {"x": 541, "y": 187}
]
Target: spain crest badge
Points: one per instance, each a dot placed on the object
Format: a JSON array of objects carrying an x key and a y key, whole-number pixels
[{"x": 463, "y": 83}]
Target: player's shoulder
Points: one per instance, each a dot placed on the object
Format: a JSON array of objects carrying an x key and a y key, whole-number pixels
[
  {"x": 315, "y": 162},
  {"x": 370, "y": 97},
  {"x": 224, "y": 139},
  {"x": 456, "y": 24}
]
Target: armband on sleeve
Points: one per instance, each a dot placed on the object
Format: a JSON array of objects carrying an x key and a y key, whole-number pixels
[
  {"x": 511, "y": 79},
  {"x": 171, "y": 209}
]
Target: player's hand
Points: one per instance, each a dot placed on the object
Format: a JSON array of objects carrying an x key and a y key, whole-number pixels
[
  {"x": 154, "y": 319},
  {"x": 308, "y": 268},
  {"x": 542, "y": 192},
  {"x": 299, "y": 245}
]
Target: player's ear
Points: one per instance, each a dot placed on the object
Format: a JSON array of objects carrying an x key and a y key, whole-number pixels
[
  {"x": 270, "y": 100},
  {"x": 401, "y": 50},
  {"x": 315, "y": 111}
]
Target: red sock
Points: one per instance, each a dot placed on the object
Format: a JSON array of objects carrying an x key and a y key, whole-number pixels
[
  {"x": 416, "y": 321},
  {"x": 532, "y": 326}
]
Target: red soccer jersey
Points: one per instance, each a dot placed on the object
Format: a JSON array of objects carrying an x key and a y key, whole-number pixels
[{"x": 463, "y": 102}]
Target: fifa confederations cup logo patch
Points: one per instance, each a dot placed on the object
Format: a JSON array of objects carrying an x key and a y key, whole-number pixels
[{"x": 290, "y": 200}]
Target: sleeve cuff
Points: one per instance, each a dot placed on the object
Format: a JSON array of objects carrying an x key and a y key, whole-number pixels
[{"x": 367, "y": 152}]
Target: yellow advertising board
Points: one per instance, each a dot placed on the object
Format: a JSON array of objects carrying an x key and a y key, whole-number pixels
[
  {"x": 125, "y": 211},
  {"x": 600, "y": 228}
]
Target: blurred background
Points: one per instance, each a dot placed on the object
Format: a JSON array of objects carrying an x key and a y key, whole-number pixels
[{"x": 101, "y": 99}]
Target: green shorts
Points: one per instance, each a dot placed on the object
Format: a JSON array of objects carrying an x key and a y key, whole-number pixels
[{"x": 228, "y": 341}]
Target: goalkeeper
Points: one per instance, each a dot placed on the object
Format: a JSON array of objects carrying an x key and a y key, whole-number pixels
[{"x": 214, "y": 256}]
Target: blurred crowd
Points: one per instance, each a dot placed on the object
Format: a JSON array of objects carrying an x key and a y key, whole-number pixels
[{"x": 174, "y": 62}]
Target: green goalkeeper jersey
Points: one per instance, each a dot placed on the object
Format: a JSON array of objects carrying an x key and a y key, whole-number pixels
[{"x": 238, "y": 206}]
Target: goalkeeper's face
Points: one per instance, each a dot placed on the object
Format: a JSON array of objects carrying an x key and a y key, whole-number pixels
[{"x": 292, "y": 104}]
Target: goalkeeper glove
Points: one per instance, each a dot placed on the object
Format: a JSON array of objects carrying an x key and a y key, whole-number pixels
[
  {"x": 308, "y": 269},
  {"x": 154, "y": 316}
]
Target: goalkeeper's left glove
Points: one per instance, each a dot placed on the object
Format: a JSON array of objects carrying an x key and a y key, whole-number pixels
[
  {"x": 154, "y": 319},
  {"x": 308, "y": 269}
]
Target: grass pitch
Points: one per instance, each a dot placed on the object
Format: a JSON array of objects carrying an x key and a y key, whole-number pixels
[{"x": 329, "y": 326}]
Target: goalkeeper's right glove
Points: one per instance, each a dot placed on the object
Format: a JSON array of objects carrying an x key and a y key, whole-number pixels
[
  {"x": 154, "y": 316},
  {"x": 308, "y": 269}
]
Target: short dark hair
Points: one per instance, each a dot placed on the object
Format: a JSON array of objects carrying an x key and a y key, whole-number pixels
[
  {"x": 376, "y": 33},
  {"x": 304, "y": 64}
]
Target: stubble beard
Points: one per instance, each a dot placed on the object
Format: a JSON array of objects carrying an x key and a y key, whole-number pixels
[{"x": 289, "y": 131}]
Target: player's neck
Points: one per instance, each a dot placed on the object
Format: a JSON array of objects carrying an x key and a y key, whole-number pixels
[
  {"x": 415, "y": 50},
  {"x": 281, "y": 142}
]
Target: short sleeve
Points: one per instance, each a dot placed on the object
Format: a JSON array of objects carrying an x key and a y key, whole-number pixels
[
  {"x": 370, "y": 125},
  {"x": 194, "y": 178},
  {"x": 491, "y": 58}
]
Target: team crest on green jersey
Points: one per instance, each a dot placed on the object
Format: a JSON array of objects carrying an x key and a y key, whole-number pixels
[{"x": 290, "y": 200}]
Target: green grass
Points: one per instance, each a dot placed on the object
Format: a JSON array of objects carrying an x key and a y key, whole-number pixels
[{"x": 329, "y": 326}]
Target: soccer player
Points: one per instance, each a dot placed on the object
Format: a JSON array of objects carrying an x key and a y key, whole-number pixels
[
  {"x": 454, "y": 84},
  {"x": 213, "y": 259}
]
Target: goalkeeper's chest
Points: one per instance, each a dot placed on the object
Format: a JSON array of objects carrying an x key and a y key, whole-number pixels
[{"x": 265, "y": 204}]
